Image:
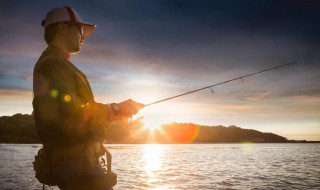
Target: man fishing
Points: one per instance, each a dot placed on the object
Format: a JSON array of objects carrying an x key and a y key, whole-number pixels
[{"x": 70, "y": 124}]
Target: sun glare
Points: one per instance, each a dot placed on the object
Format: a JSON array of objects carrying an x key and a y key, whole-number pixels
[
  {"x": 151, "y": 126},
  {"x": 152, "y": 166},
  {"x": 151, "y": 123},
  {"x": 152, "y": 158}
]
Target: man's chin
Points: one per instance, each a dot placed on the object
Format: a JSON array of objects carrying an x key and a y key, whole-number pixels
[{"x": 75, "y": 51}]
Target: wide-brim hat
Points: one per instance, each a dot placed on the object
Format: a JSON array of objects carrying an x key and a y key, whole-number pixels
[{"x": 65, "y": 13}]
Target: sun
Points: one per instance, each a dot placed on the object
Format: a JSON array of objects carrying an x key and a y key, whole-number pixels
[
  {"x": 150, "y": 119},
  {"x": 145, "y": 123},
  {"x": 152, "y": 125}
]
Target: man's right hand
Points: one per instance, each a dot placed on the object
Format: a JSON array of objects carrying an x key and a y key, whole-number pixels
[{"x": 129, "y": 107}]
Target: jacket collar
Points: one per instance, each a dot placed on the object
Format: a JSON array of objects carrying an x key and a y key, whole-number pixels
[{"x": 51, "y": 49}]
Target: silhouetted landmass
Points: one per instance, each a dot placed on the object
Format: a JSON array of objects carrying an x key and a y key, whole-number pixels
[
  {"x": 192, "y": 133},
  {"x": 18, "y": 129},
  {"x": 21, "y": 129}
]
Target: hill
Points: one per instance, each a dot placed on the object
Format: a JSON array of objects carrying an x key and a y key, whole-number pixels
[
  {"x": 18, "y": 129},
  {"x": 21, "y": 129},
  {"x": 191, "y": 133}
]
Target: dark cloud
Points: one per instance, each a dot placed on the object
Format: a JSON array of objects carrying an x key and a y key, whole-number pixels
[
  {"x": 177, "y": 37},
  {"x": 194, "y": 22},
  {"x": 182, "y": 41}
]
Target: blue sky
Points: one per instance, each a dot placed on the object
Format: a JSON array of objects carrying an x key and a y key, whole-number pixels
[{"x": 152, "y": 49}]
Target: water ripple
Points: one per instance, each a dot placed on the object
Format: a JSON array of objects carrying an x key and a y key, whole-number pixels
[{"x": 184, "y": 167}]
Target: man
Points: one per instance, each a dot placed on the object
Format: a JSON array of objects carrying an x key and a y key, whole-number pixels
[{"x": 70, "y": 124}]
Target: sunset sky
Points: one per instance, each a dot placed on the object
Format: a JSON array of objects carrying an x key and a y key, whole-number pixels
[{"x": 148, "y": 50}]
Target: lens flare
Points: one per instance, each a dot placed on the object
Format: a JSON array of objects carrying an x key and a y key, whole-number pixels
[
  {"x": 54, "y": 93},
  {"x": 67, "y": 98}
]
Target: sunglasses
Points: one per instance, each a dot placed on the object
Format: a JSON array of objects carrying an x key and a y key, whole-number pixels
[{"x": 81, "y": 28}]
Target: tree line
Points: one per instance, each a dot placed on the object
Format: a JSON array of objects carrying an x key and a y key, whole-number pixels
[
  {"x": 20, "y": 128},
  {"x": 174, "y": 133}
]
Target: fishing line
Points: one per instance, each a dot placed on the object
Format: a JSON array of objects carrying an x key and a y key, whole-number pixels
[{"x": 220, "y": 83}]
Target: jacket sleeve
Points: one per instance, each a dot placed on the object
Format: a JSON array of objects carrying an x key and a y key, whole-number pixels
[{"x": 60, "y": 102}]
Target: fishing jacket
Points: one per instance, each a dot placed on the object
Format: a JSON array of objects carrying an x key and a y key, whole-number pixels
[{"x": 67, "y": 118}]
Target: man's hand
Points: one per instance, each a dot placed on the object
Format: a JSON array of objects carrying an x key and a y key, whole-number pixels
[{"x": 129, "y": 107}]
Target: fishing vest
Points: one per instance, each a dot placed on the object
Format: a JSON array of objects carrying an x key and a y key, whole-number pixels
[{"x": 70, "y": 124}]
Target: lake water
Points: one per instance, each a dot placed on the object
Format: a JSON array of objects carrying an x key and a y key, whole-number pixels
[{"x": 186, "y": 167}]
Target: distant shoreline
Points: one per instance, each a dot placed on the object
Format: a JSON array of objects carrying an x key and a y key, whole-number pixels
[
  {"x": 296, "y": 142},
  {"x": 20, "y": 129}
]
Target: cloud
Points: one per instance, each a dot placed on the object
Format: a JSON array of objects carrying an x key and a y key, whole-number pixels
[
  {"x": 14, "y": 76},
  {"x": 6, "y": 69},
  {"x": 14, "y": 93},
  {"x": 28, "y": 76},
  {"x": 193, "y": 43}
]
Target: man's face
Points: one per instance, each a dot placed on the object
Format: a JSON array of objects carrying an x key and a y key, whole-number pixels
[{"x": 74, "y": 38}]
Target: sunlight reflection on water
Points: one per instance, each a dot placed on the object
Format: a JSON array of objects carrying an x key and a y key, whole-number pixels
[
  {"x": 185, "y": 167},
  {"x": 152, "y": 164},
  {"x": 151, "y": 158}
]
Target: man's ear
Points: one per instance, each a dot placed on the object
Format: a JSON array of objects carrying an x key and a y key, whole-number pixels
[{"x": 62, "y": 28}]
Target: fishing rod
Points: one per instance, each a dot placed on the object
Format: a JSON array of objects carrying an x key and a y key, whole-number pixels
[{"x": 220, "y": 83}]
